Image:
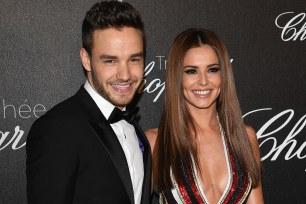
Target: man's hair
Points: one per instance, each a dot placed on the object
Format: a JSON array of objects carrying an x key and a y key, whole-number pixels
[{"x": 109, "y": 14}]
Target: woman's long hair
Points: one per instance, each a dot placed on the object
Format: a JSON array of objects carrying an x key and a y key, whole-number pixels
[{"x": 175, "y": 144}]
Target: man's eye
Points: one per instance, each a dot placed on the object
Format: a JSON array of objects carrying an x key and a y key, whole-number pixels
[
  {"x": 214, "y": 69},
  {"x": 110, "y": 61},
  {"x": 190, "y": 71},
  {"x": 136, "y": 60}
]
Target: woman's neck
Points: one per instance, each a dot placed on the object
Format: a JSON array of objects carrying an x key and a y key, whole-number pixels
[{"x": 204, "y": 118}]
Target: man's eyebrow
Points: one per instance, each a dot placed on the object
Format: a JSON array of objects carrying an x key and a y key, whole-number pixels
[
  {"x": 107, "y": 57},
  {"x": 139, "y": 54}
]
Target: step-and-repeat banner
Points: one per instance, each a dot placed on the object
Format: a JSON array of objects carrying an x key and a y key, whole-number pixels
[{"x": 40, "y": 66}]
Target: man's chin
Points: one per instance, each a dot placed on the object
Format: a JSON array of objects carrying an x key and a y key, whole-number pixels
[{"x": 121, "y": 102}]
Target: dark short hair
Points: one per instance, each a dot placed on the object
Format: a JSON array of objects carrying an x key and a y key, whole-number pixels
[{"x": 109, "y": 14}]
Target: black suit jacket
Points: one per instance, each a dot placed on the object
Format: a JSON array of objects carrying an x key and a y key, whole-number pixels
[{"x": 74, "y": 156}]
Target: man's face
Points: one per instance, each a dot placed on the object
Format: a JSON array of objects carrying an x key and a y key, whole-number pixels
[{"x": 115, "y": 68}]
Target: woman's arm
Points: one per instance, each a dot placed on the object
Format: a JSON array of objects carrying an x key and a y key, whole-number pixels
[{"x": 256, "y": 195}]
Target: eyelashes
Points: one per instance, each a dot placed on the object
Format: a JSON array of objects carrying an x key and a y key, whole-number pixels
[
  {"x": 195, "y": 71},
  {"x": 190, "y": 71},
  {"x": 214, "y": 69}
]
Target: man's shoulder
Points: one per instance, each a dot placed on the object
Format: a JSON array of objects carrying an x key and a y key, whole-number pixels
[
  {"x": 63, "y": 109},
  {"x": 63, "y": 118},
  {"x": 71, "y": 107},
  {"x": 68, "y": 111},
  {"x": 67, "y": 106}
]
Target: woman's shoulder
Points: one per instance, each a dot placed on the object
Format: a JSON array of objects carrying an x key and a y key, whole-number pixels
[{"x": 152, "y": 135}]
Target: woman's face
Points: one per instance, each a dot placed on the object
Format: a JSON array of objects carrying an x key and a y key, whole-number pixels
[{"x": 201, "y": 77}]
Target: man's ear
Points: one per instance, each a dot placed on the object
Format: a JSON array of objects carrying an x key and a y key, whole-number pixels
[{"x": 85, "y": 59}]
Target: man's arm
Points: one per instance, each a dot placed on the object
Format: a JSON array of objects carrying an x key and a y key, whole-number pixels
[{"x": 51, "y": 163}]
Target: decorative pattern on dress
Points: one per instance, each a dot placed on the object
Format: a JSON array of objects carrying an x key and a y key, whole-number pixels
[{"x": 188, "y": 189}]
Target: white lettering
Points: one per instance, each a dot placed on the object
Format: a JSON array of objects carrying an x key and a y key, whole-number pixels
[
  {"x": 156, "y": 85},
  {"x": 290, "y": 31},
  {"x": 290, "y": 141},
  {"x": 15, "y": 139},
  {"x": 23, "y": 111}
]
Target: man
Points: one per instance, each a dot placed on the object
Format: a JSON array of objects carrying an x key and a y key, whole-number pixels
[{"x": 78, "y": 152}]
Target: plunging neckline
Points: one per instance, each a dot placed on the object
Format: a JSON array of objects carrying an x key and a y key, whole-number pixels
[
  {"x": 188, "y": 188},
  {"x": 229, "y": 173}
]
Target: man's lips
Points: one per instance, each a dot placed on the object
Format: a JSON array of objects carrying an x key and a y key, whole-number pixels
[{"x": 122, "y": 88}]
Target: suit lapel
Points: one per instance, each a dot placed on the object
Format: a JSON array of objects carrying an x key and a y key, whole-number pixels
[
  {"x": 109, "y": 141},
  {"x": 107, "y": 138},
  {"x": 146, "y": 188}
]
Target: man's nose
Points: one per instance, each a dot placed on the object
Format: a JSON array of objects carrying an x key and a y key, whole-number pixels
[{"x": 123, "y": 73}]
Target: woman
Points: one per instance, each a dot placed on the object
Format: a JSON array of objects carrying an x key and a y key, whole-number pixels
[{"x": 202, "y": 151}]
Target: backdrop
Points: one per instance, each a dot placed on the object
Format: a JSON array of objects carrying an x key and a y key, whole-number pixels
[{"x": 40, "y": 66}]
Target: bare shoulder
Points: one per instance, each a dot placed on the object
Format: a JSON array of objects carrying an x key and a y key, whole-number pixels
[{"x": 152, "y": 135}]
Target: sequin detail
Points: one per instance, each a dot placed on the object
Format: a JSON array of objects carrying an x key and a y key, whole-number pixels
[{"x": 188, "y": 188}]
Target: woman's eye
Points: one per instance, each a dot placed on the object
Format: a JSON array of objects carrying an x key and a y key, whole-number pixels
[
  {"x": 214, "y": 69},
  {"x": 190, "y": 71}
]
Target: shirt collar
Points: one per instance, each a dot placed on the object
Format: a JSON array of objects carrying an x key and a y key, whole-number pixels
[{"x": 104, "y": 105}]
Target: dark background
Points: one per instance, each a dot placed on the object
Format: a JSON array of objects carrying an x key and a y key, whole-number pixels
[{"x": 40, "y": 66}]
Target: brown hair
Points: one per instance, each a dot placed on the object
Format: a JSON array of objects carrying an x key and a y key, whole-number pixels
[
  {"x": 175, "y": 142},
  {"x": 109, "y": 14}
]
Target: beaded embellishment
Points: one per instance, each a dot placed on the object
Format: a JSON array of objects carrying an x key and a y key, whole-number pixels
[{"x": 188, "y": 189}]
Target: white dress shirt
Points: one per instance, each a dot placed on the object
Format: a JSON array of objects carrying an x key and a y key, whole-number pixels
[{"x": 128, "y": 139}]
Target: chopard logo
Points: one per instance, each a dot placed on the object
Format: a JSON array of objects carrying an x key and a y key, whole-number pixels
[
  {"x": 293, "y": 26},
  {"x": 292, "y": 146}
]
